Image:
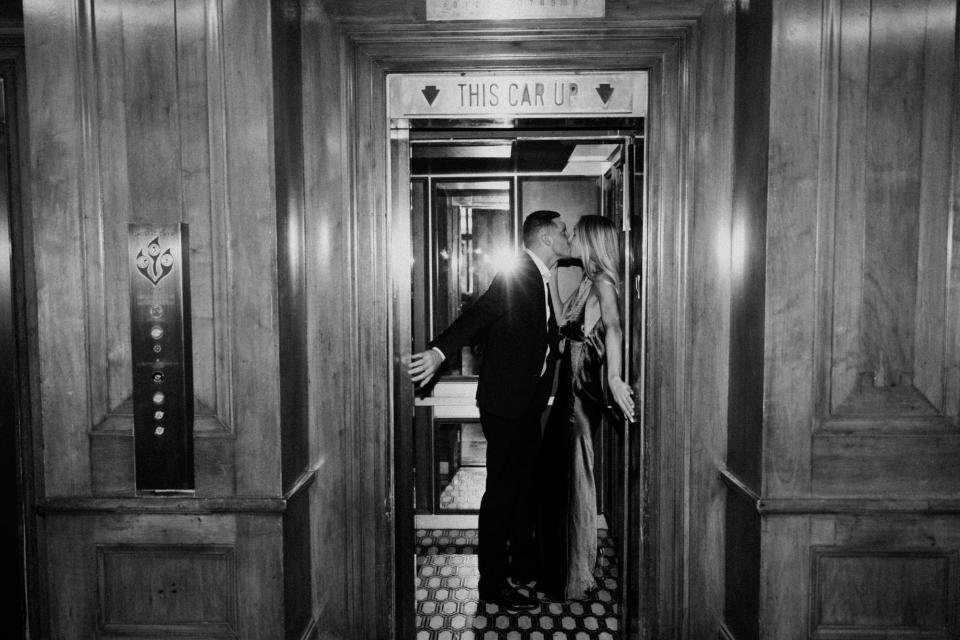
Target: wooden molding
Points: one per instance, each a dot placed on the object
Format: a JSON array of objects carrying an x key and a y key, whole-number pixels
[
  {"x": 734, "y": 482},
  {"x": 867, "y": 506},
  {"x": 172, "y": 505}
]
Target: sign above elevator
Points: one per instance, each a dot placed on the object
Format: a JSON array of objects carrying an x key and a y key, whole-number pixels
[
  {"x": 514, "y": 9},
  {"x": 536, "y": 95}
]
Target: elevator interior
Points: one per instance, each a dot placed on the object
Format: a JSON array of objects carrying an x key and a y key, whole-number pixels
[{"x": 471, "y": 185}]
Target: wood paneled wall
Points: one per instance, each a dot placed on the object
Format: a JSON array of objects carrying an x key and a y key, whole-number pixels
[
  {"x": 157, "y": 143},
  {"x": 329, "y": 233},
  {"x": 861, "y": 436},
  {"x": 708, "y": 306},
  {"x": 155, "y": 111},
  {"x": 743, "y": 470},
  {"x": 262, "y": 125}
]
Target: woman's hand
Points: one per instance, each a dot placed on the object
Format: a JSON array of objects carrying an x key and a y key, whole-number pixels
[{"x": 623, "y": 396}]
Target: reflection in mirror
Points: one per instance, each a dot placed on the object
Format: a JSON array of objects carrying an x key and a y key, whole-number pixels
[
  {"x": 473, "y": 235},
  {"x": 461, "y": 474}
]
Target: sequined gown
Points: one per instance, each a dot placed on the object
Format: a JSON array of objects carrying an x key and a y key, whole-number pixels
[{"x": 567, "y": 522}]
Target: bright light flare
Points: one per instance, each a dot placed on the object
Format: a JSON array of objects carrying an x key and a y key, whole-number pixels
[{"x": 502, "y": 259}]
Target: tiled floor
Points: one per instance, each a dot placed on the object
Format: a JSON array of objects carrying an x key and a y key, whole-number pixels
[
  {"x": 448, "y": 607},
  {"x": 465, "y": 489},
  {"x": 473, "y": 446}
]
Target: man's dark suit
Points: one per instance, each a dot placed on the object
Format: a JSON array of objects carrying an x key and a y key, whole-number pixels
[{"x": 510, "y": 319}]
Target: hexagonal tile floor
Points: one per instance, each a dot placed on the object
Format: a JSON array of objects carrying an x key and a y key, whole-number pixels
[
  {"x": 465, "y": 490},
  {"x": 448, "y": 607}
]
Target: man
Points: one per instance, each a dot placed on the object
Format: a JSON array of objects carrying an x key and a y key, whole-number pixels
[{"x": 515, "y": 320}]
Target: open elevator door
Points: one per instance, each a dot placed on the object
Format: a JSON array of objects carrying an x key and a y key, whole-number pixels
[{"x": 619, "y": 192}]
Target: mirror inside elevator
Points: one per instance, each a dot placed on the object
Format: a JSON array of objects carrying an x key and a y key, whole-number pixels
[{"x": 471, "y": 185}]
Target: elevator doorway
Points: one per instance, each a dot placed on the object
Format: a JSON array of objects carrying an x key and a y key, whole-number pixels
[{"x": 470, "y": 182}]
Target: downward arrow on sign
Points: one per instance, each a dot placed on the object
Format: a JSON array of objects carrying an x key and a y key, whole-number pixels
[
  {"x": 605, "y": 91},
  {"x": 430, "y": 92}
]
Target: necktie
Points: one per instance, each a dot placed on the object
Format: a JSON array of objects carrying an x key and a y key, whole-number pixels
[
  {"x": 553, "y": 332},
  {"x": 552, "y": 329}
]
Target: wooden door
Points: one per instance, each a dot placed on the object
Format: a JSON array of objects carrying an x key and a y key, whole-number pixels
[{"x": 861, "y": 524}]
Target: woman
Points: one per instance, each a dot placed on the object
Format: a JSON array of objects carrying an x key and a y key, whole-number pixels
[{"x": 590, "y": 324}]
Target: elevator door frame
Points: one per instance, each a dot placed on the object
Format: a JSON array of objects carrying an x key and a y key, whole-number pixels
[
  {"x": 402, "y": 332},
  {"x": 668, "y": 51}
]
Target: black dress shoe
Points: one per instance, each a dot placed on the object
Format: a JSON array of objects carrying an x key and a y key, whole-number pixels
[{"x": 510, "y": 598}]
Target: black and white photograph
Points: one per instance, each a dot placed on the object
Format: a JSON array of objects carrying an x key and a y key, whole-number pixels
[{"x": 481, "y": 319}]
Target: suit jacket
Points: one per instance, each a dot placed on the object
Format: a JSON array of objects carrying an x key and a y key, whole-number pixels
[{"x": 510, "y": 320}]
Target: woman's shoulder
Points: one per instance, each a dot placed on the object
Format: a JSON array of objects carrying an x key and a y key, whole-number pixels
[{"x": 604, "y": 282}]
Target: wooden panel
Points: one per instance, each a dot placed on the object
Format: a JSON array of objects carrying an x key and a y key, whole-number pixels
[
  {"x": 291, "y": 263},
  {"x": 785, "y": 586},
  {"x": 213, "y": 461},
  {"x": 73, "y": 569},
  {"x": 855, "y": 575},
  {"x": 889, "y": 271},
  {"x": 260, "y": 555},
  {"x": 374, "y": 418},
  {"x": 251, "y": 268},
  {"x": 148, "y": 38},
  {"x": 885, "y": 212},
  {"x": 153, "y": 148},
  {"x": 200, "y": 104},
  {"x": 155, "y": 164},
  {"x": 329, "y": 294},
  {"x": 851, "y": 100},
  {"x": 791, "y": 246},
  {"x": 883, "y": 592},
  {"x": 895, "y": 91},
  {"x": 741, "y": 565},
  {"x": 56, "y": 145},
  {"x": 940, "y": 90},
  {"x": 747, "y": 242},
  {"x": 108, "y": 303},
  {"x": 888, "y": 465},
  {"x": 297, "y": 565},
  {"x": 710, "y": 232},
  {"x": 167, "y": 590}
]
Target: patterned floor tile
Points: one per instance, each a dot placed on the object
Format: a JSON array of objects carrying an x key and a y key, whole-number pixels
[
  {"x": 465, "y": 489},
  {"x": 448, "y": 607}
]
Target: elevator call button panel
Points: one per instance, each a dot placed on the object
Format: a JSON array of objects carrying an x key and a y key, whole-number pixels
[{"x": 161, "y": 350}]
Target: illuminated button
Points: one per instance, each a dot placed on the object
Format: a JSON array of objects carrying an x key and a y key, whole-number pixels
[
  {"x": 156, "y": 332},
  {"x": 158, "y": 415},
  {"x": 158, "y": 376},
  {"x": 158, "y": 397},
  {"x": 158, "y": 431}
]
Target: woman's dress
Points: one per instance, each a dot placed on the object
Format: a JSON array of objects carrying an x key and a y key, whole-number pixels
[{"x": 567, "y": 520}]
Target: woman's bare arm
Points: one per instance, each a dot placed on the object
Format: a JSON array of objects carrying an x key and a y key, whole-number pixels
[{"x": 610, "y": 316}]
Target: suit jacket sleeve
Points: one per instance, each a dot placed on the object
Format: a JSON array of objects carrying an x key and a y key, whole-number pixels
[{"x": 475, "y": 318}]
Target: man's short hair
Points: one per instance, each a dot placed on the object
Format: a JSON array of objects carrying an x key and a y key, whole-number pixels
[{"x": 536, "y": 221}]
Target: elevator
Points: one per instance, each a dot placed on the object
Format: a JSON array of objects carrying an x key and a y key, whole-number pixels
[{"x": 464, "y": 174}]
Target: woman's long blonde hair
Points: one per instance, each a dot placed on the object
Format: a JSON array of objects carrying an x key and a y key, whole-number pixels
[{"x": 599, "y": 248}]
